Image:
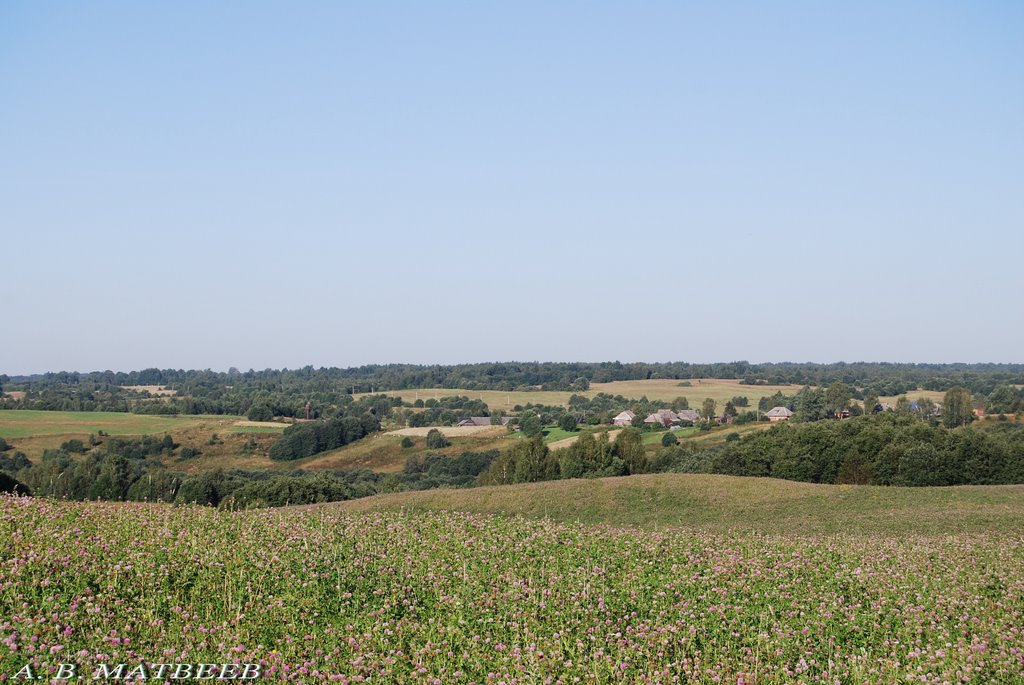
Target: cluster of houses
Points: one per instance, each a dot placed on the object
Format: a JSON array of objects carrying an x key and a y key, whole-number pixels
[{"x": 668, "y": 418}]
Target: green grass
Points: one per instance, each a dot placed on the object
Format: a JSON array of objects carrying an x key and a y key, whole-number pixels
[
  {"x": 554, "y": 433},
  {"x": 654, "y": 437},
  {"x": 24, "y": 423},
  {"x": 727, "y": 503}
]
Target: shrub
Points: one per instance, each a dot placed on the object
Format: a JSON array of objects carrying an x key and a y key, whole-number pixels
[
  {"x": 260, "y": 412},
  {"x": 669, "y": 439},
  {"x": 436, "y": 439},
  {"x": 568, "y": 423},
  {"x": 407, "y": 442}
]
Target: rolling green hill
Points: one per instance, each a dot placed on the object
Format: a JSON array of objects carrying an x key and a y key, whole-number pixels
[{"x": 725, "y": 503}]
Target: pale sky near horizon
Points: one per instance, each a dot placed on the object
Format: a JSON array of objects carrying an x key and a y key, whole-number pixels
[{"x": 205, "y": 185}]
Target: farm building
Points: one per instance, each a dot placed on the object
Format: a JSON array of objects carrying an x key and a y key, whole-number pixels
[
  {"x": 778, "y": 414},
  {"x": 624, "y": 418}
]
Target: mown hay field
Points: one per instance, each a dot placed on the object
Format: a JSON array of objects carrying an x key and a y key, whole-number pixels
[
  {"x": 323, "y": 594},
  {"x": 22, "y": 423},
  {"x": 720, "y": 390}
]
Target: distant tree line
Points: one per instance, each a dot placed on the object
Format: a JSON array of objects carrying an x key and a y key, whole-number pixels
[{"x": 286, "y": 392}]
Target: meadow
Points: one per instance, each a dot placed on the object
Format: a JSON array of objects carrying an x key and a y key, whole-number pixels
[
  {"x": 34, "y": 432},
  {"x": 385, "y": 454},
  {"x": 23, "y": 423},
  {"x": 323, "y": 594}
]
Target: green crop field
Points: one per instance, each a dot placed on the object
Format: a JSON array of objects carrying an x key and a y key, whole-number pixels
[
  {"x": 24, "y": 423},
  {"x": 757, "y": 582}
]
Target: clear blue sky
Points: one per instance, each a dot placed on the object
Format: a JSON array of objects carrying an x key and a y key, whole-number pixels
[{"x": 197, "y": 184}]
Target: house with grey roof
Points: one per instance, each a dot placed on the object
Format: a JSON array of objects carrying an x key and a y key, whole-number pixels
[
  {"x": 666, "y": 417},
  {"x": 691, "y": 415},
  {"x": 778, "y": 414}
]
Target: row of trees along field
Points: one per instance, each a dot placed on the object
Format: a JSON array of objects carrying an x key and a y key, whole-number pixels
[
  {"x": 957, "y": 408},
  {"x": 285, "y": 392}
]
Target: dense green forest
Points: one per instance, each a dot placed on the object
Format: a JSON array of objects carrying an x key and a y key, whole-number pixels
[{"x": 286, "y": 392}]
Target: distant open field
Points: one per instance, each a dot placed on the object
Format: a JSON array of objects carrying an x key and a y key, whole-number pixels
[
  {"x": 913, "y": 395},
  {"x": 157, "y": 390},
  {"x": 727, "y": 503},
  {"x": 717, "y": 389},
  {"x": 450, "y": 431},
  {"x": 22, "y": 423},
  {"x": 720, "y": 390}
]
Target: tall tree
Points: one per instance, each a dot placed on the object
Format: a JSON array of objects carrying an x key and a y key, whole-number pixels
[
  {"x": 533, "y": 461},
  {"x": 957, "y": 407},
  {"x": 837, "y": 397},
  {"x": 708, "y": 409},
  {"x": 870, "y": 401},
  {"x": 629, "y": 448}
]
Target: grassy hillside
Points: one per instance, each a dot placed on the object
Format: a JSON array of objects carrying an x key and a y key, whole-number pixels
[
  {"x": 23, "y": 423},
  {"x": 240, "y": 444},
  {"x": 725, "y": 503},
  {"x": 385, "y": 454}
]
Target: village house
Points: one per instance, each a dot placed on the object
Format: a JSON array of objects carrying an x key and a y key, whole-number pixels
[
  {"x": 666, "y": 417},
  {"x": 691, "y": 415},
  {"x": 624, "y": 418},
  {"x": 778, "y": 414}
]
